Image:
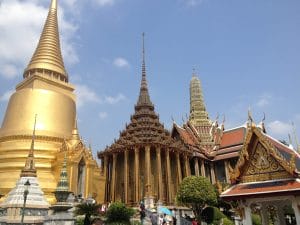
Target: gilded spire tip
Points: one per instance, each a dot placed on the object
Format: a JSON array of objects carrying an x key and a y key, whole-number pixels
[
  {"x": 53, "y": 4},
  {"x": 47, "y": 58}
]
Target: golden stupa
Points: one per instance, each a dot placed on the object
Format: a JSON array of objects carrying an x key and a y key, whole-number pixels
[{"x": 45, "y": 91}]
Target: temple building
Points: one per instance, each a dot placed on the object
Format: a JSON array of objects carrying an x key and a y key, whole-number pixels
[
  {"x": 145, "y": 162},
  {"x": 265, "y": 180},
  {"x": 46, "y": 92},
  {"x": 214, "y": 149}
]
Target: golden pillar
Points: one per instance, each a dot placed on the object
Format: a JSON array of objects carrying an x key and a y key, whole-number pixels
[
  {"x": 196, "y": 167},
  {"x": 202, "y": 168},
  {"x": 160, "y": 183},
  {"x": 105, "y": 173},
  {"x": 212, "y": 173},
  {"x": 178, "y": 168},
  {"x": 169, "y": 178},
  {"x": 148, "y": 171},
  {"x": 126, "y": 176},
  {"x": 113, "y": 177},
  {"x": 226, "y": 162},
  {"x": 187, "y": 166},
  {"x": 136, "y": 173}
]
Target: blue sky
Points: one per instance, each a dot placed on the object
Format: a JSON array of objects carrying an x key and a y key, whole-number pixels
[{"x": 246, "y": 53}]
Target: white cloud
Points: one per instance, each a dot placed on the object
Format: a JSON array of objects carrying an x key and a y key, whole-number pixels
[
  {"x": 85, "y": 94},
  {"x": 103, "y": 3},
  {"x": 114, "y": 100},
  {"x": 21, "y": 24},
  {"x": 279, "y": 128},
  {"x": 103, "y": 115},
  {"x": 120, "y": 62},
  {"x": 264, "y": 100},
  {"x": 5, "y": 97}
]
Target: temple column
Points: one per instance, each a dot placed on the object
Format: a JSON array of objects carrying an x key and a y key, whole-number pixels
[
  {"x": 105, "y": 173},
  {"x": 202, "y": 168},
  {"x": 160, "y": 183},
  {"x": 126, "y": 176},
  {"x": 296, "y": 210},
  {"x": 136, "y": 173},
  {"x": 169, "y": 178},
  {"x": 227, "y": 175},
  {"x": 148, "y": 171},
  {"x": 113, "y": 177},
  {"x": 212, "y": 173},
  {"x": 247, "y": 220},
  {"x": 178, "y": 168},
  {"x": 187, "y": 166},
  {"x": 196, "y": 167}
]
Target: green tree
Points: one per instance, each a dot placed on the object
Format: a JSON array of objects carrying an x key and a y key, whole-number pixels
[
  {"x": 118, "y": 213},
  {"x": 87, "y": 210},
  {"x": 196, "y": 192}
]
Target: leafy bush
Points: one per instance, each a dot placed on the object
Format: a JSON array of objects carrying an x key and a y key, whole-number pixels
[
  {"x": 212, "y": 215},
  {"x": 256, "y": 219},
  {"x": 118, "y": 213},
  {"x": 79, "y": 221},
  {"x": 227, "y": 221}
]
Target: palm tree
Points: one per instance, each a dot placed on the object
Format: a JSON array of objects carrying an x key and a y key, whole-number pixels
[{"x": 88, "y": 210}]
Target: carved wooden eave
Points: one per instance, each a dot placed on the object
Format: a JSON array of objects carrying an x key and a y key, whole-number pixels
[{"x": 253, "y": 133}]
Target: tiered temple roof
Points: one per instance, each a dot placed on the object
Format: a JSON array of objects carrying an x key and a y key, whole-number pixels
[{"x": 144, "y": 127}]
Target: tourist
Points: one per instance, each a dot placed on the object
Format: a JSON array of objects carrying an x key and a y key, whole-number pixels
[
  {"x": 153, "y": 219},
  {"x": 142, "y": 212},
  {"x": 194, "y": 222},
  {"x": 174, "y": 220}
]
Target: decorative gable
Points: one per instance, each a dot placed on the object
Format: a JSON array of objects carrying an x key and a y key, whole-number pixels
[
  {"x": 260, "y": 160},
  {"x": 263, "y": 166}
]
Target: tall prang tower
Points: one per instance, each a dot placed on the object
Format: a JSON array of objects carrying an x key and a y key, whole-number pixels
[{"x": 46, "y": 92}]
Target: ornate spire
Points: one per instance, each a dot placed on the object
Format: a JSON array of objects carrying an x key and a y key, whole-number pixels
[
  {"x": 29, "y": 169},
  {"x": 47, "y": 58},
  {"x": 198, "y": 113},
  {"x": 75, "y": 134},
  {"x": 63, "y": 183},
  {"x": 144, "y": 98}
]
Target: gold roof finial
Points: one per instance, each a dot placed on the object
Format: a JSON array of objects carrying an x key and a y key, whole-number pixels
[
  {"x": 47, "y": 57},
  {"x": 29, "y": 168}
]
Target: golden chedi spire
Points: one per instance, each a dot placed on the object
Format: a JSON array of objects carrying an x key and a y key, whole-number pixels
[
  {"x": 47, "y": 57},
  {"x": 29, "y": 168}
]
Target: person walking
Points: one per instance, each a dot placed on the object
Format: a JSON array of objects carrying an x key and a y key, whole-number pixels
[{"x": 142, "y": 212}]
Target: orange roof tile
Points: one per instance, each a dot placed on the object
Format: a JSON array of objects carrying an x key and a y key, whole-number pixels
[
  {"x": 233, "y": 137},
  {"x": 186, "y": 136},
  {"x": 258, "y": 189}
]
